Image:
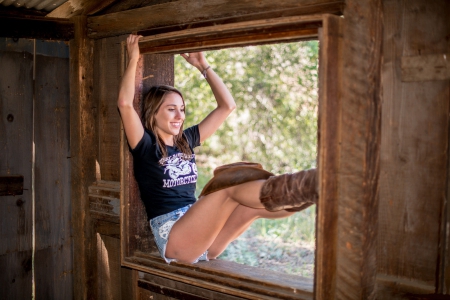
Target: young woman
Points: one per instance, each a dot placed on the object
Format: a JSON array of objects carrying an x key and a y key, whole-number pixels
[{"x": 186, "y": 229}]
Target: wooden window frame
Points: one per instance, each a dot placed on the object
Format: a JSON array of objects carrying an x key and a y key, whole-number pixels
[{"x": 137, "y": 249}]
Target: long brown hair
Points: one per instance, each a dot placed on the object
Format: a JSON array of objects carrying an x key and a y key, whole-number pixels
[{"x": 152, "y": 103}]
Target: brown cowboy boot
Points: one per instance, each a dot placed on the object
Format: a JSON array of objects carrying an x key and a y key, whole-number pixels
[{"x": 292, "y": 192}]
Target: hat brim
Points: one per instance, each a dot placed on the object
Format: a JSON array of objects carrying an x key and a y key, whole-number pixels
[{"x": 234, "y": 174}]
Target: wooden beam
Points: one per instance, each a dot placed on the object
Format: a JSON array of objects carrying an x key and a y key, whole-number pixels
[
  {"x": 330, "y": 110},
  {"x": 426, "y": 67},
  {"x": 36, "y": 28},
  {"x": 206, "y": 13},
  {"x": 83, "y": 147},
  {"x": 358, "y": 172},
  {"x": 73, "y": 8},
  {"x": 235, "y": 34}
]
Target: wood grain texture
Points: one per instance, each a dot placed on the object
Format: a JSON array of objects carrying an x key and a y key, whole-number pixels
[
  {"x": 16, "y": 106},
  {"x": 104, "y": 201},
  {"x": 330, "y": 109},
  {"x": 226, "y": 277},
  {"x": 152, "y": 282},
  {"x": 131, "y": 4},
  {"x": 107, "y": 76},
  {"x": 152, "y": 69},
  {"x": 83, "y": 147},
  {"x": 414, "y": 145},
  {"x": 426, "y": 67},
  {"x": 234, "y": 35},
  {"x": 108, "y": 268},
  {"x": 359, "y": 151},
  {"x": 185, "y": 11},
  {"x": 73, "y": 8},
  {"x": 53, "y": 232}
]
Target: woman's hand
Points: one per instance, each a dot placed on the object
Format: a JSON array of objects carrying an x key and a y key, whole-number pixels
[
  {"x": 197, "y": 59},
  {"x": 133, "y": 46}
]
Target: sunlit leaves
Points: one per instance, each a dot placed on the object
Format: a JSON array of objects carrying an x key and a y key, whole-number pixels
[{"x": 275, "y": 89}]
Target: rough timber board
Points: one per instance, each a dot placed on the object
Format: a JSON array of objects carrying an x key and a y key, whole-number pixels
[
  {"x": 359, "y": 151},
  {"x": 16, "y": 100},
  {"x": 83, "y": 147},
  {"x": 330, "y": 108},
  {"x": 187, "y": 11},
  {"x": 426, "y": 67},
  {"x": 53, "y": 258},
  {"x": 152, "y": 69},
  {"x": 107, "y": 74},
  {"x": 108, "y": 267},
  {"x": 414, "y": 144}
]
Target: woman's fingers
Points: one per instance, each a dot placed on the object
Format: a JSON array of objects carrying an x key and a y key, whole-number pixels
[{"x": 132, "y": 45}]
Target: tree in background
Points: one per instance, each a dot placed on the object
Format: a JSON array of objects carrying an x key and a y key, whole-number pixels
[{"x": 275, "y": 122}]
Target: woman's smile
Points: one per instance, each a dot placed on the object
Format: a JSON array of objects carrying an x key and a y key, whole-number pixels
[{"x": 170, "y": 117}]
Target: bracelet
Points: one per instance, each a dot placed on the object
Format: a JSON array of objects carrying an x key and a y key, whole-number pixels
[{"x": 204, "y": 71}]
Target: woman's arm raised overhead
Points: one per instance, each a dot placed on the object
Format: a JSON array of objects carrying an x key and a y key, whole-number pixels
[
  {"x": 225, "y": 101},
  {"x": 132, "y": 124}
]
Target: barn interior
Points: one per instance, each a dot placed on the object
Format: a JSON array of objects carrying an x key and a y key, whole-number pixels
[{"x": 72, "y": 224}]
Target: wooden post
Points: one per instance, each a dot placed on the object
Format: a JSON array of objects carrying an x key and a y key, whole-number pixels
[
  {"x": 330, "y": 108},
  {"x": 83, "y": 154},
  {"x": 359, "y": 151}
]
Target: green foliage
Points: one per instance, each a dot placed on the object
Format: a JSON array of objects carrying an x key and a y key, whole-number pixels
[{"x": 275, "y": 123}]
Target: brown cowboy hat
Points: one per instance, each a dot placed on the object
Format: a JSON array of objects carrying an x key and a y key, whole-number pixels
[{"x": 234, "y": 174}]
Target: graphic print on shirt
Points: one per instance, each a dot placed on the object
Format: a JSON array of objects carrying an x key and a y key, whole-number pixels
[{"x": 181, "y": 171}]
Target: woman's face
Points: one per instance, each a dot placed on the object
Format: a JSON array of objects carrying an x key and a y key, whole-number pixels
[{"x": 170, "y": 117}]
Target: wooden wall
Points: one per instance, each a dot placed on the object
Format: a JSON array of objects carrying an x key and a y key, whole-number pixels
[
  {"x": 394, "y": 163},
  {"x": 36, "y": 75},
  {"x": 414, "y": 149},
  {"x": 15, "y": 145}
]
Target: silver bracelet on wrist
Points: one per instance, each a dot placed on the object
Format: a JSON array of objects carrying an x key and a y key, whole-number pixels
[{"x": 204, "y": 71}]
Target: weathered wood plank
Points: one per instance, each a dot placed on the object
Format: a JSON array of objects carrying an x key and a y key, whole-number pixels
[
  {"x": 83, "y": 147},
  {"x": 414, "y": 145},
  {"x": 107, "y": 74},
  {"x": 396, "y": 287},
  {"x": 234, "y": 35},
  {"x": 16, "y": 115},
  {"x": 15, "y": 279},
  {"x": 53, "y": 241},
  {"x": 227, "y": 277},
  {"x": 330, "y": 108},
  {"x": 152, "y": 283},
  {"x": 11, "y": 185},
  {"x": 129, "y": 283},
  {"x": 184, "y": 12},
  {"x": 74, "y": 8},
  {"x": 132, "y": 4},
  {"x": 36, "y": 28},
  {"x": 152, "y": 69},
  {"x": 108, "y": 268},
  {"x": 359, "y": 151},
  {"x": 107, "y": 228},
  {"x": 167, "y": 292},
  {"x": 426, "y": 67}
]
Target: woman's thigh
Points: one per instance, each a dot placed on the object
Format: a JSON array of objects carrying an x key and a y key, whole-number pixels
[{"x": 196, "y": 230}]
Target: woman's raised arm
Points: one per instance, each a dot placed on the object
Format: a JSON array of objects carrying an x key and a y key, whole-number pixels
[
  {"x": 225, "y": 101},
  {"x": 131, "y": 121}
]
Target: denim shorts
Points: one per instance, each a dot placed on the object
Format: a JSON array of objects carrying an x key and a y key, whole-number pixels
[{"x": 161, "y": 226}]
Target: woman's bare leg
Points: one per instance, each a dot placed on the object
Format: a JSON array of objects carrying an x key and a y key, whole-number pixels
[
  {"x": 196, "y": 231},
  {"x": 241, "y": 218}
]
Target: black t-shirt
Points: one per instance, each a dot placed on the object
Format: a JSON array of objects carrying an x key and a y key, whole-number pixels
[{"x": 170, "y": 185}]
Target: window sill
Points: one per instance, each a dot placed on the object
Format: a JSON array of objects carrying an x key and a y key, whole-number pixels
[{"x": 226, "y": 277}]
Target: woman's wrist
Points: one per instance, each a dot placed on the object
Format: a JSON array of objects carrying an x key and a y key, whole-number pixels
[{"x": 205, "y": 71}]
